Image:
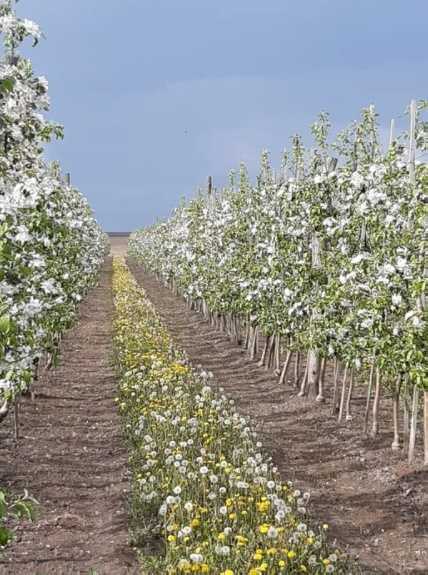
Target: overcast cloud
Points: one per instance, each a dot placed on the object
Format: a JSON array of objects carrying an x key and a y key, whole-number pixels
[{"x": 155, "y": 95}]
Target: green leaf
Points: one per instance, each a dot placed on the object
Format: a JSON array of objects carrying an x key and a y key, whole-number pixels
[
  {"x": 4, "y": 324},
  {"x": 6, "y": 85},
  {"x": 6, "y": 536}
]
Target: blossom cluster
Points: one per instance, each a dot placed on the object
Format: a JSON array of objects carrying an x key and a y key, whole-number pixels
[
  {"x": 200, "y": 478},
  {"x": 51, "y": 247},
  {"x": 329, "y": 253}
]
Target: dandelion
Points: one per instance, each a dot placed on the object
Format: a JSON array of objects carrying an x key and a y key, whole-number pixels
[{"x": 196, "y": 558}]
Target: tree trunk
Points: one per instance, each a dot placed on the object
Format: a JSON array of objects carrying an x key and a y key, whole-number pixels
[
  {"x": 426, "y": 426},
  {"x": 253, "y": 343},
  {"x": 236, "y": 330},
  {"x": 270, "y": 353},
  {"x": 264, "y": 352},
  {"x": 297, "y": 369},
  {"x": 278, "y": 355},
  {"x": 303, "y": 385},
  {"x": 395, "y": 414},
  {"x": 314, "y": 368},
  {"x": 369, "y": 394},
  {"x": 343, "y": 394},
  {"x": 413, "y": 424},
  {"x": 349, "y": 398},
  {"x": 335, "y": 387},
  {"x": 320, "y": 397},
  {"x": 286, "y": 366},
  {"x": 406, "y": 415},
  {"x": 395, "y": 446},
  {"x": 4, "y": 410},
  {"x": 247, "y": 335},
  {"x": 16, "y": 419},
  {"x": 205, "y": 310},
  {"x": 376, "y": 400}
]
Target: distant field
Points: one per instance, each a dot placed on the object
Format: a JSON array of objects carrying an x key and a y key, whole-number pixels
[{"x": 119, "y": 244}]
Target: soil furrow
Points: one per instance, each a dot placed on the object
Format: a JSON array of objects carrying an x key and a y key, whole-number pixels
[
  {"x": 71, "y": 458},
  {"x": 374, "y": 503}
]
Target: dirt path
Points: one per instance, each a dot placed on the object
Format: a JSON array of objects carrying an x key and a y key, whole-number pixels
[
  {"x": 373, "y": 502},
  {"x": 71, "y": 458}
]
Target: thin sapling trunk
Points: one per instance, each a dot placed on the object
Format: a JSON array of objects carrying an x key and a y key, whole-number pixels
[
  {"x": 376, "y": 401},
  {"x": 413, "y": 424},
  {"x": 320, "y": 397},
  {"x": 369, "y": 394},
  {"x": 395, "y": 414},
  {"x": 343, "y": 394},
  {"x": 286, "y": 366},
  {"x": 349, "y": 398}
]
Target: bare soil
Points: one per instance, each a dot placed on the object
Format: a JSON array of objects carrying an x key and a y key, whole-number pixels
[
  {"x": 376, "y": 505},
  {"x": 119, "y": 245},
  {"x": 70, "y": 456}
]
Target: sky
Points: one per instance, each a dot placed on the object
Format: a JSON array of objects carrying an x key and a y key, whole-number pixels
[{"x": 156, "y": 95}]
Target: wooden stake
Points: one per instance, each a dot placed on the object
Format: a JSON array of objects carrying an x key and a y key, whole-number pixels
[
  {"x": 412, "y": 142},
  {"x": 391, "y": 133}
]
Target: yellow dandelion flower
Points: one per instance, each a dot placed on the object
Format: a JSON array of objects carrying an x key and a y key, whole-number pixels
[{"x": 263, "y": 505}]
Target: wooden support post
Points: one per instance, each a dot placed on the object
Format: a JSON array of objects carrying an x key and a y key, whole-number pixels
[
  {"x": 391, "y": 134},
  {"x": 412, "y": 142}
]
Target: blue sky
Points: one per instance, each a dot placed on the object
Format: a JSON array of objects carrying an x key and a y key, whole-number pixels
[{"x": 156, "y": 95}]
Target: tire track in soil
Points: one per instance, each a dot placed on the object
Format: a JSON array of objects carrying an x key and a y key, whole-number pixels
[
  {"x": 375, "y": 505},
  {"x": 72, "y": 459}
]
